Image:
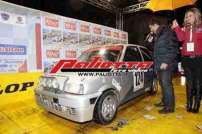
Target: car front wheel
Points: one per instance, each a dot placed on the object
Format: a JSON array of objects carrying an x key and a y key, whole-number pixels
[{"x": 106, "y": 108}]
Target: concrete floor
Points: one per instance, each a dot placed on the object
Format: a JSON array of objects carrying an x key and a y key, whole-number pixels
[{"x": 26, "y": 117}]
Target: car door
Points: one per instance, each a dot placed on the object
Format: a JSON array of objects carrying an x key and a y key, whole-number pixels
[
  {"x": 132, "y": 54},
  {"x": 149, "y": 74}
]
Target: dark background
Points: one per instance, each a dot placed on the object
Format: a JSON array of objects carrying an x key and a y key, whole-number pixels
[{"x": 136, "y": 24}]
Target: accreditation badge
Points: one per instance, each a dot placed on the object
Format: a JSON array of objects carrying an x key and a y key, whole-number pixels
[{"x": 190, "y": 46}]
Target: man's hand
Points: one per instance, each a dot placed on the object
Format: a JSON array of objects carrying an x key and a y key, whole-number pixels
[{"x": 164, "y": 66}]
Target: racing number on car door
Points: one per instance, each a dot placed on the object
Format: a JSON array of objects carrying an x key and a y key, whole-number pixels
[
  {"x": 133, "y": 54},
  {"x": 138, "y": 80}
]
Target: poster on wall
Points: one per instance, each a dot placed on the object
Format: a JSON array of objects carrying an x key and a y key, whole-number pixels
[
  {"x": 13, "y": 43},
  {"x": 108, "y": 35},
  {"x": 70, "y": 53},
  {"x": 52, "y": 37},
  {"x": 115, "y": 37},
  {"x": 13, "y": 58},
  {"x": 84, "y": 33},
  {"x": 52, "y": 41},
  {"x": 51, "y": 56},
  {"x": 97, "y": 35},
  {"x": 70, "y": 38},
  {"x": 124, "y": 37},
  {"x": 70, "y": 32},
  {"x": 52, "y": 34}
]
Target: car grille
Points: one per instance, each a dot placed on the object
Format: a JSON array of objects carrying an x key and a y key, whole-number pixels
[{"x": 51, "y": 104}]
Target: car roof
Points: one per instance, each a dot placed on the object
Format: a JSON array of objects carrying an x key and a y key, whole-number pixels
[{"x": 124, "y": 45}]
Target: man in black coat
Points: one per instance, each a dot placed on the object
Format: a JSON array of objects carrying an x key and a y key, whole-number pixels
[{"x": 165, "y": 62}]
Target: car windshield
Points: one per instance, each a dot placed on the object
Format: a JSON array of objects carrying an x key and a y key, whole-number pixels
[{"x": 105, "y": 53}]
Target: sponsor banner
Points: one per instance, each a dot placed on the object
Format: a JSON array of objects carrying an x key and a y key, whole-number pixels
[
  {"x": 13, "y": 65},
  {"x": 97, "y": 30},
  {"x": 50, "y": 33},
  {"x": 70, "y": 25},
  {"x": 17, "y": 87},
  {"x": 69, "y": 54},
  {"x": 123, "y": 36},
  {"x": 115, "y": 41},
  {"x": 6, "y": 49},
  {"x": 84, "y": 39},
  {"x": 52, "y": 41},
  {"x": 84, "y": 27},
  {"x": 108, "y": 32},
  {"x": 6, "y": 17},
  {"x": 108, "y": 40},
  {"x": 13, "y": 19},
  {"x": 70, "y": 32},
  {"x": 20, "y": 20},
  {"x": 124, "y": 41},
  {"x": 51, "y": 22},
  {"x": 116, "y": 34},
  {"x": 97, "y": 35},
  {"x": 52, "y": 53},
  {"x": 52, "y": 37},
  {"x": 70, "y": 38},
  {"x": 97, "y": 40},
  {"x": 84, "y": 33}
]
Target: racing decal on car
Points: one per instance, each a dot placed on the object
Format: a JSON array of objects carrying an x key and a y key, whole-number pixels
[
  {"x": 116, "y": 84},
  {"x": 97, "y": 65},
  {"x": 138, "y": 80}
]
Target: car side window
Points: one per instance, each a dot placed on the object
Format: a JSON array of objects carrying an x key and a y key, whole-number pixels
[
  {"x": 146, "y": 54},
  {"x": 132, "y": 54}
]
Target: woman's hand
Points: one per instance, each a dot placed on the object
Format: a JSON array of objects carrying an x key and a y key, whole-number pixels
[{"x": 174, "y": 24}]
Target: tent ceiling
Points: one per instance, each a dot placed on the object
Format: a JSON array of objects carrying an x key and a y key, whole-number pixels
[{"x": 127, "y": 6}]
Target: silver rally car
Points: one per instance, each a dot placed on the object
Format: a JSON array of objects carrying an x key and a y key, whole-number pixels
[{"x": 92, "y": 95}]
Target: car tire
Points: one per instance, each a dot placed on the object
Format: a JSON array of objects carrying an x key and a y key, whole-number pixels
[
  {"x": 154, "y": 87},
  {"x": 106, "y": 108}
]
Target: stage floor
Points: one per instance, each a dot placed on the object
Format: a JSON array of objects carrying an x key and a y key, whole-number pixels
[{"x": 136, "y": 117}]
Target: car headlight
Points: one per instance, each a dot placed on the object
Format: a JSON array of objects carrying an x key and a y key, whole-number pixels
[
  {"x": 49, "y": 82},
  {"x": 55, "y": 83},
  {"x": 74, "y": 88},
  {"x": 42, "y": 81}
]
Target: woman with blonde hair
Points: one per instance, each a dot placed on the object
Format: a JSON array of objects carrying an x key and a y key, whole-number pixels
[{"x": 191, "y": 37}]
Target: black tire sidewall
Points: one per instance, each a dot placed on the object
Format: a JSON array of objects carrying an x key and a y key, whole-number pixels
[{"x": 97, "y": 112}]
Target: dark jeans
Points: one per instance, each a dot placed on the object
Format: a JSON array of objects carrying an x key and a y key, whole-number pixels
[
  {"x": 193, "y": 73},
  {"x": 165, "y": 80}
]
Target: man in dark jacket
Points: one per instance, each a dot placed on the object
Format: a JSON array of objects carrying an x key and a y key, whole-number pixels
[{"x": 165, "y": 62}]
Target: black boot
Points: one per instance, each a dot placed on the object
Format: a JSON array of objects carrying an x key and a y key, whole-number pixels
[
  {"x": 190, "y": 104},
  {"x": 197, "y": 104}
]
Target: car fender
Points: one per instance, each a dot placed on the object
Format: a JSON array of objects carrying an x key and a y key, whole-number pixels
[{"x": 110, "y": 87}]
